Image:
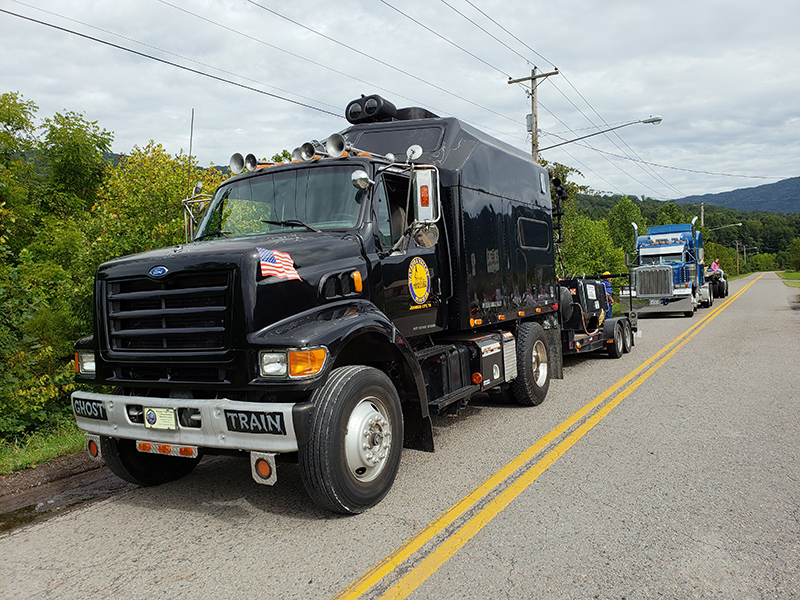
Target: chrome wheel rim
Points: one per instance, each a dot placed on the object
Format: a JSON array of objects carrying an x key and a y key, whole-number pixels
[
  {"x": 368, "y": 439},
  {"x": 539, "y": 357}
]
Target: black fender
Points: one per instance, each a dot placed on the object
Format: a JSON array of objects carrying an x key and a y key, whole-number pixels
[{"x": 358, "y": 332}]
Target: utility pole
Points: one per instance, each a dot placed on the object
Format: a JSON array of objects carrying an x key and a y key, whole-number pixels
[
  {"x": 737, "y": 257},
  {"x": 534, "y": 107},
  {"x": 702, "y": 214}
]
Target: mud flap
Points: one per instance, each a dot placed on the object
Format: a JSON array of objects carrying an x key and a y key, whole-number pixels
[{"x": 553, "y": 336}]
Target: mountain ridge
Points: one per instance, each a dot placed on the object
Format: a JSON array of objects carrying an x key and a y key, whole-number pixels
[{"x": 781, "y": 197}]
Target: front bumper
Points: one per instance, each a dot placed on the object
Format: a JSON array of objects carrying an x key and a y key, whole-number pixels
[
  {"x": 645, "y": 306},
  {"x": 268, "y": 427}
]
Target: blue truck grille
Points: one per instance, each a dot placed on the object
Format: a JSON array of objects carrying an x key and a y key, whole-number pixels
[{"x": 183, "y": 312}]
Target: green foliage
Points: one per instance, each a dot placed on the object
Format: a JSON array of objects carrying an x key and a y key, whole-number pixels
[
  {"x": 74, "y": 149},
  {"x": 58, "y": 222},
  {"x": 764, "y": 262},
  {"x": 671, "y": 214},
  {"x": 790, "y": 258},
  {"x": 619, "y": 221},
  {"x": 282, "y": 156}
]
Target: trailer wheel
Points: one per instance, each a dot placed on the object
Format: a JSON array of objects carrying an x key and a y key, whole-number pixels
[
  {"x": 627, "y": 336},
  {"x": 533, "y": 368},
  {"x": 126, "y": 462},
  {"x": 616, "y": 348},
  {"x": 352, "y": 457}
]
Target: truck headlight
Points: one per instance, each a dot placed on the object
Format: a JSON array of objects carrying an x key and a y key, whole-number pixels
[
  {"x": 84, "y": 362},
  {"x": 272, "y": 364}
]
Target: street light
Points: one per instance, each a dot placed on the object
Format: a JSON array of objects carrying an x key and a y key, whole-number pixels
[
  {"x": 724, "y": 226},
  {"x": 649, "y": 120}
]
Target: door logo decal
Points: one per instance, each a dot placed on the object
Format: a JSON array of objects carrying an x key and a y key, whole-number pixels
[{"x": 419, "y": 280}]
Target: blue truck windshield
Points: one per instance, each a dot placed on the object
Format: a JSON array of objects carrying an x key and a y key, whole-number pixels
[
  {"x": 662, "y": 259},
  {"x": 316, "y": 198}
]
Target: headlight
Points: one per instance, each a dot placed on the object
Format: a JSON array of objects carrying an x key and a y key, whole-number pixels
[
  {"x": 272, "y": 364},
  {"x": 84, "y": 362},
  {"x": 292, "y": 364}
]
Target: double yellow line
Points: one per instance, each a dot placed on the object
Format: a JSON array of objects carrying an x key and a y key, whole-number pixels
[{"x": 417, "y": 575}]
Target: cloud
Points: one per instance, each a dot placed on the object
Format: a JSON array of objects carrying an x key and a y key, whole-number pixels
[{"x": 723, "y": 75}]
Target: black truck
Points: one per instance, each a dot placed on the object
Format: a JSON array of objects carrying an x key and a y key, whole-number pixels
[{"x": 326, "y": 307}]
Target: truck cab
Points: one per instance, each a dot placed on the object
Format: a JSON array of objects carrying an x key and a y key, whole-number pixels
[{"x": 669, "y": 275}]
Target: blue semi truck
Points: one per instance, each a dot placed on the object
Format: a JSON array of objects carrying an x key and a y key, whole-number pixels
[{"x": 669, "y": 271}]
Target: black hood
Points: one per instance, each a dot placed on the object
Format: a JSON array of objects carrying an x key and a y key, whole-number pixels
[{"x": 263, "y": 299}]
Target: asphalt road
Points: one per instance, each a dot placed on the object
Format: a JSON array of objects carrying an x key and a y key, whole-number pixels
[{"x": 681, "y": 482}]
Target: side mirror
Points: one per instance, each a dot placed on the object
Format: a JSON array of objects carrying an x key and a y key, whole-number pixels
[
  {"x": 427, "y": 236},
  {"x": 198, "y": 187},
  {"x": 361, "y": 180},
  {"x": 425, "y": 186}
]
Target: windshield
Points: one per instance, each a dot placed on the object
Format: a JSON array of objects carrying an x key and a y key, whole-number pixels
[
  {"x": 662, "y": 259},
  {"x": 316, "y": 198}
]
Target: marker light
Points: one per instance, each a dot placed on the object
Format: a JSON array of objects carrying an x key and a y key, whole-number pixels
[
  {"x": 477, "y": 378},
  {"x": 306, "y": 363},
  {"x": 425, "y": 199},
  {"x": 358, "y": 284},
  {"x": 263, "y": 469}
]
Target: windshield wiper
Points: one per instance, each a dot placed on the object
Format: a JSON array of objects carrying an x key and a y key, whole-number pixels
[
  {"x": 215, "y": 233},
  {"x": 292, "y": 223}
]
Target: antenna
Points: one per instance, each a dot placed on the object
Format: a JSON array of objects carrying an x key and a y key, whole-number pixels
[{"x": 191, "y": 139}]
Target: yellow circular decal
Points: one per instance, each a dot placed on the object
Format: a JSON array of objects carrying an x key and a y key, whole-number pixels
[{"x": 419, "y": 280}]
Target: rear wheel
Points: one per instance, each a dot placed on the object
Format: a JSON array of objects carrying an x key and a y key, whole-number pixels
[
  {"x": 627, "y": 336},
  {"x": 353, "y": 455},
  {"x": 533, "y": 368},
  {"x": 616, "y": 348},
  {"x": 126, "y": 462}
]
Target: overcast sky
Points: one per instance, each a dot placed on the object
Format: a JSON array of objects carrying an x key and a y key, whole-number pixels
[{"x": 723, "y": 74}]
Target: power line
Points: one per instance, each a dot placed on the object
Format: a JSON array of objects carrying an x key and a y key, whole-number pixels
[
  {"x": 167, "y": 62},
  {"x": 379, "y": 61},
  {"x": 441, "y": 37},
  {"x": 135, "y": 41}
]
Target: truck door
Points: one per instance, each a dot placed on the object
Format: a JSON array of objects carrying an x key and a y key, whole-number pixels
[{"x": 410, "y": 273}]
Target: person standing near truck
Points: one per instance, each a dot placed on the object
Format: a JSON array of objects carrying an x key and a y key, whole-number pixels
[{"x": 609, "y": 291}]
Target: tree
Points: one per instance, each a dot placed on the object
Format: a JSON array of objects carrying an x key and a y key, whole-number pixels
[
  {"x": 619, "y": 220},
  {"x": 74, "y": 149},
  {"x": 670, "y": 214}
]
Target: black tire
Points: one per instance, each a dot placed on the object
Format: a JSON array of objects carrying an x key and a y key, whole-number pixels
[
  {"x": 126, "y": 462},
  {"x": 338, "y": 472},
  {"x": 616, "y": 348},
  {"x": 627, "y": 336},
  {"x": 533, "y": 366},
  {"x": 688, "y": 313},
  {"x": 719, "y": 289},
  {"x": 724, "y": 288}
]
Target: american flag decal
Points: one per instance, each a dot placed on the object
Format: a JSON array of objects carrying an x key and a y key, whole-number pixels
[{"x": 279, "y": 264}]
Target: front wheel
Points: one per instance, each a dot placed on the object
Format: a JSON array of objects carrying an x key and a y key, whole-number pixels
[
  {"x": 353, "y": 456},
  {"x": 126, "y": 462},
  {"x": 533, "y": 367}
]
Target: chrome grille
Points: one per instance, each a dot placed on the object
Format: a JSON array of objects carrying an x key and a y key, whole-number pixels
[{"x": 653, "y": 281}]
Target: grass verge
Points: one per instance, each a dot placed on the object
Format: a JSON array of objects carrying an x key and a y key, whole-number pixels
[
  {"x": 790, "y": 278},
  {"x": 40, "y": 447}
]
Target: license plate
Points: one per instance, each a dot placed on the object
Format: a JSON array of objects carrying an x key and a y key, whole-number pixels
[
  {"x": 655, "y": 302},
  {"x": 160, "y": 418}
]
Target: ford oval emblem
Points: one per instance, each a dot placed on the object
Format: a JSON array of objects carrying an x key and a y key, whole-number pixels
[{"x": 158, "y": 271}]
